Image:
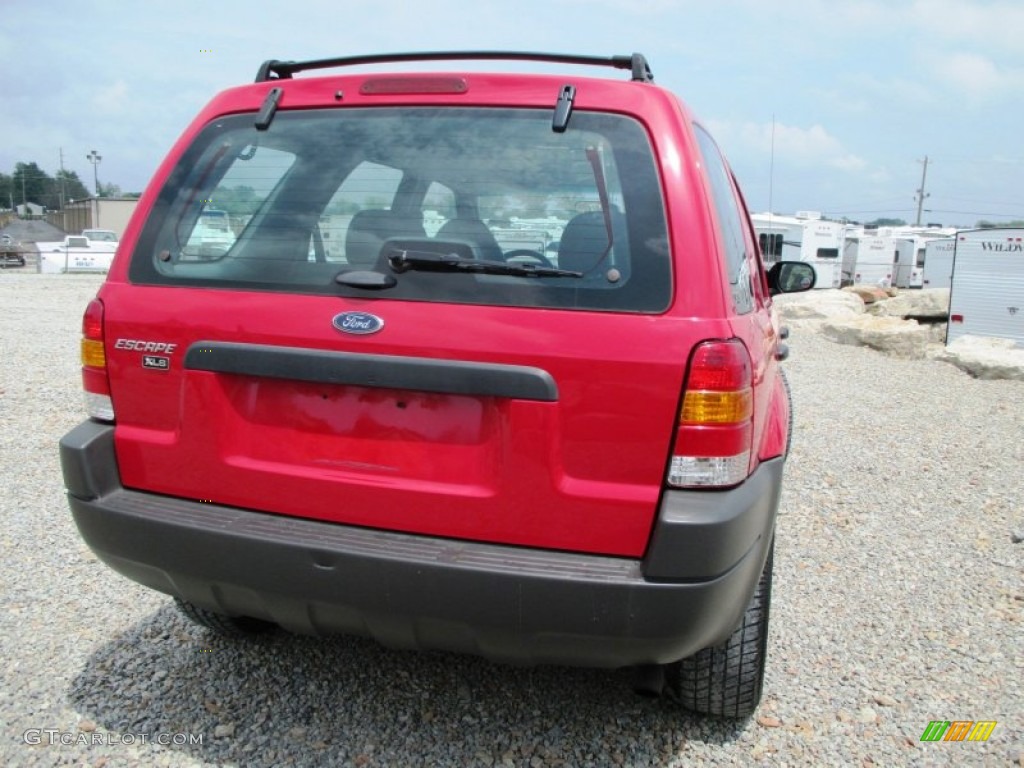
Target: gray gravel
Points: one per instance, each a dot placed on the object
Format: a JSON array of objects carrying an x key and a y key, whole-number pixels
[{"x": 898, "y": 600}]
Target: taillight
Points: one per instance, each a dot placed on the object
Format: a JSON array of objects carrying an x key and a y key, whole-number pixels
[
  {"x": 715, "y": 429},
  {"x": 94, "y": 364}
]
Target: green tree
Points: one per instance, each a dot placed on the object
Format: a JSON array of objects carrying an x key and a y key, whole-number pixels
[
  {"x": 885, "y": 223},
  {"x": 31, "y": 184},
  {"x": 109, "y": 190},
  {"x": 67, "y": 186},
  {"x": 984, "y": 224},
  {"x": 239, "y": 200},
  {"x": 6, "y": 191}
]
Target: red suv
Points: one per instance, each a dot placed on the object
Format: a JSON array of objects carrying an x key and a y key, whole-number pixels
[{"x": 458, "y": 360}]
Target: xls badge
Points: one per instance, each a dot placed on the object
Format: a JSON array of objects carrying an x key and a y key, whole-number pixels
[
  {"x": 156, "y": 362},
  {"x": 160, "y": 362}
]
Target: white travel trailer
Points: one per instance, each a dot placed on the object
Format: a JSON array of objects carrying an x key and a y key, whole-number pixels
[
  {"x": 804, "y": 237},
  {"x": 868, "y": 260},
  {"x": 772, "y": 232},
  {"x": 938, "y": 262},
  {"x": 910, "y": 260},
  {"x": 987, "y": 288},
  {"x": 907, "y": 266}
]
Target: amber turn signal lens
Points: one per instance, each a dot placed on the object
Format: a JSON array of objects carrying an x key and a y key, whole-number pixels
[{"x": 92, "y": 354}]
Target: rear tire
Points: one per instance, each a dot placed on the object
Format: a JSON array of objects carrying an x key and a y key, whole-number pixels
[
  {"x": 726, "y": 680},
  {"x": 226, "y": 626}
]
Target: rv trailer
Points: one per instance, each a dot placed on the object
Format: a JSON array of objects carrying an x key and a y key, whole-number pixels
[
  {"x": 938, "y": 262},
  {"x": 987, "y": 285},
  {"x": 804, "y": 237},
  {"x": 908, "y": 262},
  {"x": 868, "y": 260},
  {"x": 910, "y": 259}
]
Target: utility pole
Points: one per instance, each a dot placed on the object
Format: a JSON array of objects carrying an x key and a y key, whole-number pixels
[
  {"x": 921, "y": 194},
  {"x": 62, "y": 189}
]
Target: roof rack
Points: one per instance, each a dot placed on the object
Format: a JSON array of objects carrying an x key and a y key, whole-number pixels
[{"x": 283, "y": 70}]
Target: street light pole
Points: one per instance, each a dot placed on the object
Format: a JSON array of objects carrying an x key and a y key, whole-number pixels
[{"x": 94, "y": 157}]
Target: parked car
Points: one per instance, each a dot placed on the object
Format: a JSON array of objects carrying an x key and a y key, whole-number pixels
[
  {"x": 100, "y": 235},
  {"x": 11, "y": 253},
  {"x": 569, "y": 456}
]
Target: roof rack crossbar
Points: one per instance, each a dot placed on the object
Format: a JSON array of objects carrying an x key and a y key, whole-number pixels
[{"x": 283, "y": 70}]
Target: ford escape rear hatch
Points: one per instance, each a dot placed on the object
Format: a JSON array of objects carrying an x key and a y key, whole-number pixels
[{"x": 431, "y": 320}]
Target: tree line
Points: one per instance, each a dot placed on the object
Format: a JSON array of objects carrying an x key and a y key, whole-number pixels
[{"x": 31, "y": 184}]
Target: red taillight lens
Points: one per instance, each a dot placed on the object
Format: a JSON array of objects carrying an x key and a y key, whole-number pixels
[
  {"x": 714, "y": 434},
  {"x": 92, "y": 320},
  {"x": 94, "y": 364},
  {"x": 719, "y": 365}
]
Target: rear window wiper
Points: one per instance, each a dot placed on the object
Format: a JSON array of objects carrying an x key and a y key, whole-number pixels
[{"x": 404, "y": 260}]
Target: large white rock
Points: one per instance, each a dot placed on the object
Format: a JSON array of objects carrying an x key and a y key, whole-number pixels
[
  {"x": 929, "y": 302},
  {"x": 985, "y": 358},
  {"x": 817, "y": 305},
  {"x": 891, "y": 335},
  {"x": 869, "y": 294}
]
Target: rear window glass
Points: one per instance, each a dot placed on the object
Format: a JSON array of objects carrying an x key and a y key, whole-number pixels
[{"x": 571, "y": 220}]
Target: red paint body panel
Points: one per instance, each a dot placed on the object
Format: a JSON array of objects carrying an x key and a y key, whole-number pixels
[{"x": 584, "y": 473}]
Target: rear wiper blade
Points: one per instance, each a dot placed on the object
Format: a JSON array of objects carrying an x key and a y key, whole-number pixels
[{"x": 402, "y": 261}]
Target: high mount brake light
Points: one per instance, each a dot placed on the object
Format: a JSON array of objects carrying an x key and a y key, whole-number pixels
[
  {"x": 94, "y": 364},
  {"x": 714, "y": 434},
  {"x": 413, "y": 84}
]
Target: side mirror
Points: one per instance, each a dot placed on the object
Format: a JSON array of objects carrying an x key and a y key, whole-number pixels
[{"x": 791, "y": 277}]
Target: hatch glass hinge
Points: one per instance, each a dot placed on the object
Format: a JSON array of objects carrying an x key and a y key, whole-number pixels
[
  {"x": 266, "y": 115},
  {"x": 563, "y": 108}
]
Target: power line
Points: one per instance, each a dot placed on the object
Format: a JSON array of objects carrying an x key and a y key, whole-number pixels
[
  {"x": 980, "y": 213},
  {"x": 873, "y": 210},
  {"x": 1014, "y": 203}
]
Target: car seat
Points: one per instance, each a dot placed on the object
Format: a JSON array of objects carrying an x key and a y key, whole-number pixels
[
  {"x": 370, "y": 228},
  {"x": 474, "y": 232}
]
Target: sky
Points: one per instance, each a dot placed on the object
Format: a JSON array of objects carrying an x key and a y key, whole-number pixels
[{"x": 819, "y": 105}]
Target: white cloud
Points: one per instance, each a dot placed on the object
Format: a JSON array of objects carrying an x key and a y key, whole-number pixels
[
  {"x": 977, "y": 76},
  {"x": 113, "y": 98},
  {"x": 801, "y": 146},
  {"x": 991, "y": 24}
]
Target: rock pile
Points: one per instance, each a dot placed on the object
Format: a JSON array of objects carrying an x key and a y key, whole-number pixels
[
  {"x": 904, "y": 324},
  {"x": 985, "y": 358}
]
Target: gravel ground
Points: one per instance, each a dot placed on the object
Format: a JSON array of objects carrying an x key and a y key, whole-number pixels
[{"x": 898, "y": 600}]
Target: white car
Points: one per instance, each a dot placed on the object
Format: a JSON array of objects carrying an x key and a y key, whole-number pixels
[{"x": 100, "y": 235}]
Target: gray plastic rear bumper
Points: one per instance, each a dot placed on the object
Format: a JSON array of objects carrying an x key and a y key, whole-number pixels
[{"x": 410, "y": 591}]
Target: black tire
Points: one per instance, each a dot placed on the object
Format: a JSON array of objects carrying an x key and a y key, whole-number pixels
[
  {"x": 726, "y": 680},
  {"x": 227, "y": 626}
]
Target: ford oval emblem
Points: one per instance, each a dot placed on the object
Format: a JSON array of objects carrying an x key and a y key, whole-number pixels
[{"x": 357, "y": 322}]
